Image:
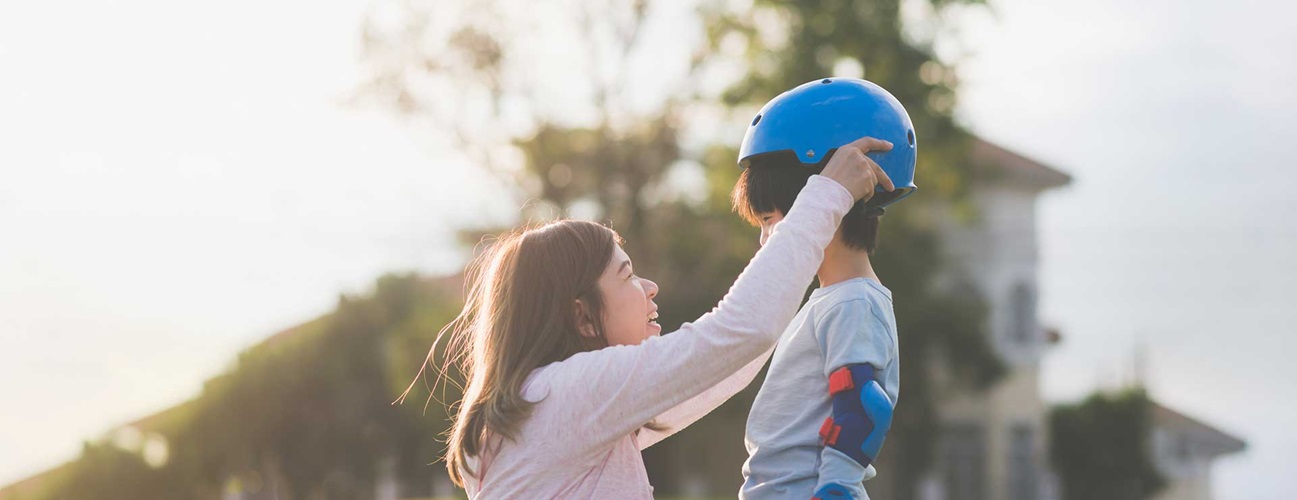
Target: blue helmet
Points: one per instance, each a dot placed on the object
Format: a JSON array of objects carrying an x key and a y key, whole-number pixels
[{"x": 817, "y": 117}]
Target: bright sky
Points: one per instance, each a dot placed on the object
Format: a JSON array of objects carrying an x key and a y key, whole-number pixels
[
  {"x": 1177, "y": 119},
  {"x": 178, "y": 182}
]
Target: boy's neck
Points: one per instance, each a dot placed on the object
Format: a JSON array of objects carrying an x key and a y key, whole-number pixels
[{"x": 842, "y": 264}]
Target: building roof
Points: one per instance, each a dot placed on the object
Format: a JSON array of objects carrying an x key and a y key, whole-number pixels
[
  {"x": 1210, "y": 439},
  {"x": 994, "y": 160}
]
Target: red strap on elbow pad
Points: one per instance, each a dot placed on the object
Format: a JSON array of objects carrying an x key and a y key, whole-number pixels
[
  {"x": 840, "y": 380},
  {"x": 829, "y": 432}
]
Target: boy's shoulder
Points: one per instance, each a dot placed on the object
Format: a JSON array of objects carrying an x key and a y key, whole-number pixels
[
  {"x": 853, "y": 322},
  {"x": 858, "y": 299},
  {"x": 866, "y": 290}
]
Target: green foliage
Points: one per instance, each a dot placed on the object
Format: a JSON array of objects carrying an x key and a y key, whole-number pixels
[
  {"x": 1101, "y": 447},
  {"x": 308, "y": 411},
  {"x": 105, "y": 468},
  {"x": 787, "y": 43}
]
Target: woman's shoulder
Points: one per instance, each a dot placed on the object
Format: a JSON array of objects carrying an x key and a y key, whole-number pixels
[
  {"x": 536, "y": 387},
  {"x": 574, "y": 376}
]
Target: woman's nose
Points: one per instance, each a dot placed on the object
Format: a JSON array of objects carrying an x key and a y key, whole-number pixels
[{"x": 651, "y": 287}]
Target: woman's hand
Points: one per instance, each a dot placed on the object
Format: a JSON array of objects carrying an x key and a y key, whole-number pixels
[{"x": 853, "y": 170}]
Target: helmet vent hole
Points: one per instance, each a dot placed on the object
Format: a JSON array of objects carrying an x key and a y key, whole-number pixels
[
  {"x": 758, "y": 119},
  {"x": 908, "y": 135},
  {"x": 826, "y": 80}
]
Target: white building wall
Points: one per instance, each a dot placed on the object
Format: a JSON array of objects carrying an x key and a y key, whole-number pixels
[
  {"x": 1187, "y": 470},
  {"x": 996, "y": 253}
]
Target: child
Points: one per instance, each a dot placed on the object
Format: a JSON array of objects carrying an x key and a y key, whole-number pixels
[
  {"x": 567, "y": 377},
  {"x": 823, "y": 411}
]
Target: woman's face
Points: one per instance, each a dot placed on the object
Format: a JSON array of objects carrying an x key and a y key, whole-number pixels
[{"x": 629, "y": 314}]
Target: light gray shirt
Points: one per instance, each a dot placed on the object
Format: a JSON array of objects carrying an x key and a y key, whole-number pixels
[{"x": 846, "y": 323}]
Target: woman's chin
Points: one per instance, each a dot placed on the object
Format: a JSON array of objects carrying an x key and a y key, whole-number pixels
[{"x": 654, "y": 330}]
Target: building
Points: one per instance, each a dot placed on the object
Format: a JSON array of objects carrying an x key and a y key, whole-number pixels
[
  {"x": 993, "y": 445},
  {"x": 1183, "y": 451}
]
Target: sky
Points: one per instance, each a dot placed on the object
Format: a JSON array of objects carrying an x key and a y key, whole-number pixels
[
  {"x": 177, "y": 182},
  {"x": 172, "y": 192},
  {"x": 1178, "y": 122}
]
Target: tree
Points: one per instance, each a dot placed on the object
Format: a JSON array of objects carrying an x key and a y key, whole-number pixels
[
  {"x": 787, "y": 43},
  {"x": 471, "y": 71},
  {"x": 1101, "y": 447},
  {"x": 304, "y": 414}
]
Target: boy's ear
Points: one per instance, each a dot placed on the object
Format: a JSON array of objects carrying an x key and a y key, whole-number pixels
[{"x": 584, "y": 325}]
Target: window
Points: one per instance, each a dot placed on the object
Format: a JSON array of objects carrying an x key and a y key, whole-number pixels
[
  {"x": 1182, "y": 448},
  {"x": 1022, "y": 466},
  {"x": 964, "y": 462},
  {"x": 1022, "y": 315}
]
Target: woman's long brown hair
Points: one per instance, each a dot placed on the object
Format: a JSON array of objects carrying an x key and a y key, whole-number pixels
[{"x": 519, "y": 314}]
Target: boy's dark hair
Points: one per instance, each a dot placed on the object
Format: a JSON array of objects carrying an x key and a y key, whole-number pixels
[{"x": 771, "y": 182}]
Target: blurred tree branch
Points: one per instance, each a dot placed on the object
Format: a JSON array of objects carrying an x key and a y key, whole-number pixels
[{"x": 484, "y": 74}]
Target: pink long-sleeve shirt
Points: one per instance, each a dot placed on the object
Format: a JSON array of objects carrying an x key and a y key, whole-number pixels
[{"x": 586, "y": 430}]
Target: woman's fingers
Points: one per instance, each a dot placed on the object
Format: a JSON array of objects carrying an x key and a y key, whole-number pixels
[
  {"x": 858, "y": 173},
  {"x": 880, "y": 175},
  {"x": 867, "y": 144}
]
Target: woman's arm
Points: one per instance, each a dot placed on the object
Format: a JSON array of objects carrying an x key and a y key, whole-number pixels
[
  {"x": 607, "y": 394},
  {"x": 682, "y": 415}
]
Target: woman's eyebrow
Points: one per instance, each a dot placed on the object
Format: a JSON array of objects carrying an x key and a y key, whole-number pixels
[{"x": 624, "y": 264}]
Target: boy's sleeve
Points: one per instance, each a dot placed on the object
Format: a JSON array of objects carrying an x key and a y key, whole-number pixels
[{"x": 850, "y": 333}]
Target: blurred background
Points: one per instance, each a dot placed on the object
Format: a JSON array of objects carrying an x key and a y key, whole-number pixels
[{"x": 229, "y": 231}]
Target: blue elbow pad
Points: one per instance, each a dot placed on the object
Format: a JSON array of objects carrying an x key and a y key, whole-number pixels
[
  {"x": 833, "y": 491},
  {"x": 862, "y": 414}
]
